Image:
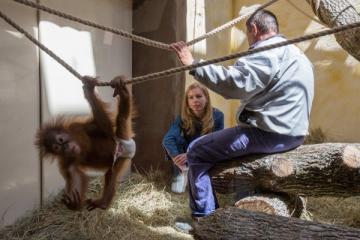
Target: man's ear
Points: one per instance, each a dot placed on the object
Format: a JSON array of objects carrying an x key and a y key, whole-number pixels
[{"x": 254, "y": 29}]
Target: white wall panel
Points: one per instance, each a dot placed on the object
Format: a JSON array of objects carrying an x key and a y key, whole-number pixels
[{"x": 19, "y": 115}]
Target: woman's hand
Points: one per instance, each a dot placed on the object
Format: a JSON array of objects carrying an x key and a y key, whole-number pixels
[{"x": 180, "y": 160}]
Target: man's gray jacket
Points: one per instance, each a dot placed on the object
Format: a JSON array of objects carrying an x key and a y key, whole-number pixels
[{"x": 275, "y": 87}]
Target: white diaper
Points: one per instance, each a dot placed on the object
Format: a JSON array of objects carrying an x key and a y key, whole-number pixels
[{"x": 124, "y": 148}]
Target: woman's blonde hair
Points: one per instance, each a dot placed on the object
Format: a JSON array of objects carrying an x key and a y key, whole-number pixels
[{"x": 188, "y": 117}]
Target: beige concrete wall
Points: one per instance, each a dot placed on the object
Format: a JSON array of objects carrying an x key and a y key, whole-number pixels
[
  {"x": 336, "y": 106},
  {"x": 19, "y": 115}
]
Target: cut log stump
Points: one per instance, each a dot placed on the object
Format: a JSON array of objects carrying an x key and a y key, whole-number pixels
[
  {"x": 274, "y": 204},
  {"x": 328, "y": 169},
  {"x": 267, "y": 204},
  {"x": 234, "y": 223}
]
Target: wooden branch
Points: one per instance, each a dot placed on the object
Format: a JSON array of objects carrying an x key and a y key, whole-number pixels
[
  {"x": 329, "y": 169},
  {"x": 234, "y": 223}
]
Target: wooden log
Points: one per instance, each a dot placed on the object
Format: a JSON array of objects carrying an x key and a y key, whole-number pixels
[
  {"x": 273, "y": 205},
  {"x": 335, "y": 13},
  {"x": 234, "y": 223},
  {"x": 329, "y": 169}
]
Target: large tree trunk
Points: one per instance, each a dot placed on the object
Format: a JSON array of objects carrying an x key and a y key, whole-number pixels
[
  {"x": 233, "y": 223},
  {"x": 330, "y": 169},
  {"x": 338, "y": 13}
]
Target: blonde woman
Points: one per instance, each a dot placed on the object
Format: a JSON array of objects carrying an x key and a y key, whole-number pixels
[{"x": 197, "y": 118}]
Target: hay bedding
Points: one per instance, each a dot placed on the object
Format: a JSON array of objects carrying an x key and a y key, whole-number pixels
[
  {"x": 339, "y": 211},
  {"x": 144, "y": 209}
]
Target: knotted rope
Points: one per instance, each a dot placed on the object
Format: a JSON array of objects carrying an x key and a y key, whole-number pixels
[
  {"x": 230, "y": 24},
  {"x": 315, "y": 5},
  {"x": 243, "y": 54},
  {"x": 136, "y": 38},
  {"x": 41, "y": 46},
  {"x": 95, "y": 25},
  {"x": 193, "y": 66}
]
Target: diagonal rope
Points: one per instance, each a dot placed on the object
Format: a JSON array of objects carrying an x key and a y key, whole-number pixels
[
  {"x": 303, "y": 12},
  {"x": 172, "y": 71},
  {"x": 230, "y": 24},
  {"x": 95, "y": 25},
  {"x": 315, "y": 5},
  {"x": 243, "y": 54},
  {"x": 137, "y": 38},
  {"x": 41, "y": 46}
]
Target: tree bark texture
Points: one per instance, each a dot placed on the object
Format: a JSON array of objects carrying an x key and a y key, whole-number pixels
[
  {"x": 234, "y": 223},
  {"x": 328, "y": 169},
  {"x": 335, "y": 13}
]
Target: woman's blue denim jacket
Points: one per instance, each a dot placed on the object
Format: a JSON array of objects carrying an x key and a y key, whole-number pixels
[{"x": 176, "y": 141}]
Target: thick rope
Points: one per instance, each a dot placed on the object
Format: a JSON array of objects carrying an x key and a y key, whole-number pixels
[
  {"x": 315, "y": 5},
  {"x": 303, "y": 12},
  {"x": 95, "y": 25},
  {"x": 230, "y": 24},
  {"x": 41, "y": 46},
  {"x": 138, "y": 38},
  {"x": 243, "y": 54},
  {"x": 172, "y": 71}
]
